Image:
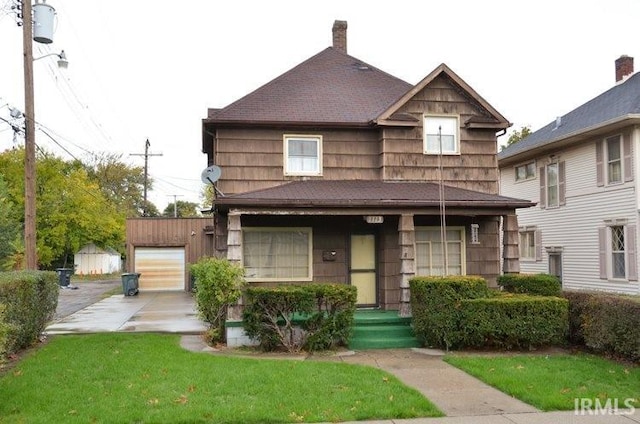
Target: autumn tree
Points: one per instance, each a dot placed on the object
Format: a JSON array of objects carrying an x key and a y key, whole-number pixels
[
  {"x": 181, "y": 209},
  {"x": 71, "y": 208},
  {"x": 121, "y": 183},
  {"x": 518, "y": 135}
]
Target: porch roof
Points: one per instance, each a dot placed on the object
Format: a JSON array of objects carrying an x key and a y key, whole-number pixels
[{"x": 366, "y": 194}]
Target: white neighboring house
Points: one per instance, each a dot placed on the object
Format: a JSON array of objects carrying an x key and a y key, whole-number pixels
[
  {"x": 582, "y": 170},
  {"x": 92, "y": 259}
]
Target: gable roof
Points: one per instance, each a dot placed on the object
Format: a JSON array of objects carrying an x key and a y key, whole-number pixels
[
  {"x": 615, "y": 106},
  {"x": 365, "y": 194},
  {"x": 489, "y": 117},
  {"x": 328, "y": 88}
]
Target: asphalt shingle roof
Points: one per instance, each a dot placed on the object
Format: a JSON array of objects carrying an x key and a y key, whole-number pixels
[
  {"x": 619, "y": 101},
  {"x": 330, "y": 87},
  {"x": 366, "y": 193}
]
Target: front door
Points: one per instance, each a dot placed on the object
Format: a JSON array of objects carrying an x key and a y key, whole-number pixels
[{"x": 362, "y": 270}]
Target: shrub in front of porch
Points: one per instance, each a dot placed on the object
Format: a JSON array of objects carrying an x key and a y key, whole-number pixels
[
  {"x": 30, "y": 299},
  {"x": 436, "y": 307},
  {"x": 293, "y": 317},
  {"x": 219, "y": 285},
  {"x": 514, "y": 321},
  {"x": 454, "y": 312},
  {"x": 536, "y": 284}
]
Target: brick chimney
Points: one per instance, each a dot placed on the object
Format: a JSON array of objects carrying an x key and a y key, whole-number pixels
[
  {"x": 624, "y": 67},
  {"x": 340, "y": 36}
]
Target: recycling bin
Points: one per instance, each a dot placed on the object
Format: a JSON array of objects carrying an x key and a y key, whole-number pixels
[
  {"x": 64, "y": 276},
  {"x": 130, "y": 283}
]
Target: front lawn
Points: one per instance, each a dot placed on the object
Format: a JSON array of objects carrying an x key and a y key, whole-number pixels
[
  {"x": 554, "y": 382},
  {"x": 142, "y": 378}
]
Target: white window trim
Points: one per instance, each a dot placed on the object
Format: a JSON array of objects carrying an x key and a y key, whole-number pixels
[
  {"x": 557, "y": 186},
  {"x": 532, "y": 231},
  {"x": 307, "y": 230},
  {"x": 533, "y": 177},
  {"x": 424, "y": 134},
  {"x": 285, "y": 153},
  {"x": 463, "y": 245},
  {"x": 606, "y": 160},
  {"x": 610, "y": 252}
]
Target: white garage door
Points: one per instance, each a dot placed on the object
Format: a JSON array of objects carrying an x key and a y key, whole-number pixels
[{"x": 162, "y": 268}]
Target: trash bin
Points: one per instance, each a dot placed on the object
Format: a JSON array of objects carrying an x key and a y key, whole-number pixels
[
  {"x": 64, "y": 276},
  {"x": 130, "y": 283}
]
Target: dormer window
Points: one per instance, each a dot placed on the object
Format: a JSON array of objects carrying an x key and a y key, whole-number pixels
[
  {"x": 303, "y": 155},
  {"x": 441, "y": 135}
]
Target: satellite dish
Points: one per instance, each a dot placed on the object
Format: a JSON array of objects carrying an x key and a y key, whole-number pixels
[{"x": 211, "y": 174}]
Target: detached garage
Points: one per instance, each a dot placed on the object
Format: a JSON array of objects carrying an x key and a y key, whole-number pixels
[
  {"x": 162, "y": 268},
  {"x": 161, "y": 249}
]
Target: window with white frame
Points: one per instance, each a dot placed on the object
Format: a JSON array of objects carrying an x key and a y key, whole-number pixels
[
  {"x": 552, "y": 185},
  {"x": 277, "y": 254},
  {"x": 613, "y": 147},
  {"x": 302, "y": 155},
  {"x": 617, "y": 246},
  {"x": 441, "y": 135},
  {"x": 618, "y": 267},
  {"x": 528, "y": 245},
  {"x": 430, "y": 251},
  {"x": 526, "y": 171}
]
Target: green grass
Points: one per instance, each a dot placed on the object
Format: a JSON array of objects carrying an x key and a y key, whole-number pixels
[
  {"x": 553, "y": 382},
  {"x": 144, "y": 378}
]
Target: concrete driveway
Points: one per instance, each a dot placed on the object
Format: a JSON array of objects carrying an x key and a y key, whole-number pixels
[{"x": 165, "y": 312}]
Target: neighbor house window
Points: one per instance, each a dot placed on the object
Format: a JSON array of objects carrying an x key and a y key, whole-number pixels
[
  {"x": 526, "y": 171},
  {"x": 430, "y": 252},
  {"x": 302, "y": 155},
  {"x": 441, "y": 135},
  {"x": 277, "y": 254},
  {"x": 529, "y": 244},
  {"x": 552, "y": 185},
  {"x": 618, "y": 267},
  {"x": 614, "y": 160},
  {"x": 617, "y": 245}
]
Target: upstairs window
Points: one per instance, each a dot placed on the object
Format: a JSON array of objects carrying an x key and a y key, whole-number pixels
[
  {"x": 441, "y": 135},
  {"x": 302, "y": 155},
  {"x": 552, "y": 185},
  {"x": 526, "y": 171},
  {"x": 614, "y": 160}
]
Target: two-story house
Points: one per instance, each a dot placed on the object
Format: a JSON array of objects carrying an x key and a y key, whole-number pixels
[
  {"x": 336, "y": 171},
  {"x": 581, "y": 171}
]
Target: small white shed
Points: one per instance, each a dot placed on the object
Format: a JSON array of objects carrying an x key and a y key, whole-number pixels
[{"x": 92, "y": 259}]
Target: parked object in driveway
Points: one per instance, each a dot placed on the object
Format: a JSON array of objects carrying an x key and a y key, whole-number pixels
[{"x": 130, "y": 283}]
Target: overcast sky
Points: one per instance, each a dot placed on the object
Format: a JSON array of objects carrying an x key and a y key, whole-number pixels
[{"x": 149, "y": 69}]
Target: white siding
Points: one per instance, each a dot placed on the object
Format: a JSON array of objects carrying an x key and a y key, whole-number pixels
[{"x": 574, "y": 227}]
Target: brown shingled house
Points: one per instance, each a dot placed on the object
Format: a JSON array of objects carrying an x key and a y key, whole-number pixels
[{"x": 332, "y": 172}]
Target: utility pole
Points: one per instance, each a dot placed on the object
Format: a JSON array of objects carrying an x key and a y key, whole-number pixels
[
  {"x": 146, "y": 155},
  {"x": 175, "y": 204},
  {"x": 30, "y": 252}
]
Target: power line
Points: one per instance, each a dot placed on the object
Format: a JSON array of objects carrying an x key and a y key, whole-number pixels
[{"x": 146, "y": 155}]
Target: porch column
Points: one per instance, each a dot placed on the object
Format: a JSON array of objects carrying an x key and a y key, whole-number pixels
[
  {"x": 406, "y": 233},
  {"x": 234, "y": 254},
  {"x": 510, "y": 249}
]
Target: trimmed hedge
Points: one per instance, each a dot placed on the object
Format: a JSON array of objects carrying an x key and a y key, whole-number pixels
[
  {"x": 436, "y": 307},
  {"x": 535, "y": 284},
  {"x": 607, "y": 323},
  {"x": 310, "y": 316},
  {"x": 30, "y": 298},
  {"x": 514, "y": 321}
]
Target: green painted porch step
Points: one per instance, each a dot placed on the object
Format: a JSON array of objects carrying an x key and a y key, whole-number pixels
[{"x": 374, "y": 329}]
